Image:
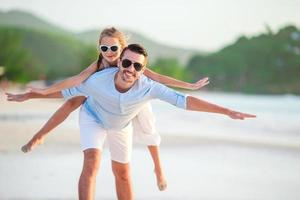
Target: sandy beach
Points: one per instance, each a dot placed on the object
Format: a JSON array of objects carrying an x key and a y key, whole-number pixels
[{"x": 245, "y": 163}]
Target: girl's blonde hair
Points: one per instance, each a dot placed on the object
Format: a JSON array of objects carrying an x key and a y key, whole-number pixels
[{"x": 111, "y": 32}]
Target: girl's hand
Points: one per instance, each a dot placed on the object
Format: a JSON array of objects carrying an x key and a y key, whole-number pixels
[
  {"x": 199, "y": 84},
  {"x": 17, "y": 97}
]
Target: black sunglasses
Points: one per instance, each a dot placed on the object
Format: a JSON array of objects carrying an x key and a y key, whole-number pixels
[
  {"x": 127, "y": 63},
  {"x": 105, "y": 48}
]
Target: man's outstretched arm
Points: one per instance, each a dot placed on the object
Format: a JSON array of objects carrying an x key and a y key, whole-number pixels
[
  {"x": 81, "y": 90},
  {"x": 31, "y": 95},
  {"x": 191, "y": 103},
  {"x": 196, "y": 104}
]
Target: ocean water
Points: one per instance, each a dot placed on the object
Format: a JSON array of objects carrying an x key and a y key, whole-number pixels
[{"x": 277, "y": 122}]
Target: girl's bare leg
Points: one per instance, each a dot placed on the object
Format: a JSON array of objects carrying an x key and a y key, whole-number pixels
[
  {"x": 57, "y": 118},
  {"x": 160, "y": 176}
]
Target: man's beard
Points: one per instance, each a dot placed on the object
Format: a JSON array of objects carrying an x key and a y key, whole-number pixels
[{"x": 128, "y": 80}]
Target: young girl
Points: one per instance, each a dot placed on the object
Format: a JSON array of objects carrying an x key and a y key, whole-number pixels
[{"x": 111, "y": 43}]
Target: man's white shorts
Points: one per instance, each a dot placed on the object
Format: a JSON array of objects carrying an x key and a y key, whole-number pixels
[{"x": 92, "y": 135}]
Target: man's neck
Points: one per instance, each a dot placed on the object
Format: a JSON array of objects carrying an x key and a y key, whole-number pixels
[{"x": 121, "y": 85}]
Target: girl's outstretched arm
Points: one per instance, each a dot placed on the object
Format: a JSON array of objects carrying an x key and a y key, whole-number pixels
[
  {"x": 169, "y": 81},
  {"x": 69, "y": 82}
]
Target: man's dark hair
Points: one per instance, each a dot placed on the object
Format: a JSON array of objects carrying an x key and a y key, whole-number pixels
[{"x": 136, "y": 48}]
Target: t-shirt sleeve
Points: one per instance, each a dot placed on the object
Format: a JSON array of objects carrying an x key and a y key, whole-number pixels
[
  {"x": 80, "y": 90},
  {"x": 169, "y": 95}
]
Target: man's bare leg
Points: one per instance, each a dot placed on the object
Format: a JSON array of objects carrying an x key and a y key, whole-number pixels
[
  {"x": 123, "y": 180},
  {"x": 160, "y": 177},
  {"x": 87, "y": 180}
]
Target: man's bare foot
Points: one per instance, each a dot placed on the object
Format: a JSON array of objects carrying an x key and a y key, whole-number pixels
[
  {"x": 32, "y": 144},
  {"x": 161, "y": 181}
]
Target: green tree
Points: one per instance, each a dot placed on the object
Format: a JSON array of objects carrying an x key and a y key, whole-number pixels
[
  {"x": 170, "y": 67},
  {"x": 13, "y": 57},
  {"x": 267, "y": 63}
]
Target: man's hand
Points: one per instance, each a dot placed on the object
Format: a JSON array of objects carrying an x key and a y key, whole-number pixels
[
  {"x": 17, "y": 97},
  {"x": 31, "y": 95},
  {"x": 239, "y": 115},
  {"x": 199, "y": 84}
]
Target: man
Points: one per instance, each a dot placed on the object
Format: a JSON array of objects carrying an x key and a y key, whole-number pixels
[{"x": 114, "y": 97}]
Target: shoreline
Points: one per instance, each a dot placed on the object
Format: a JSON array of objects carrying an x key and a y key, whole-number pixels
[{"x": 60, "y": 143}]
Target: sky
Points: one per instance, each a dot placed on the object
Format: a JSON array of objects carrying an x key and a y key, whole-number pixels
[{"x": 206, "y": 25}]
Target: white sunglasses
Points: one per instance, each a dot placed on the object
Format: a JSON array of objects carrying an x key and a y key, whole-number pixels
[{"x": 105, "y": 48}]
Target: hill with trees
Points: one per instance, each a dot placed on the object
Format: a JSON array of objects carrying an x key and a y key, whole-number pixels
[{"x": 266, "y": 63}]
